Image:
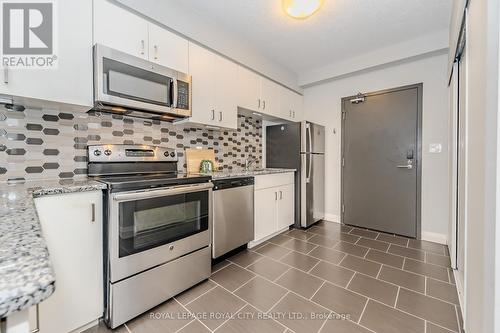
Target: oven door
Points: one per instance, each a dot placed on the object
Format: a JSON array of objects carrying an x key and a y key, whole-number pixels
[{"x": 150, "y": 228}]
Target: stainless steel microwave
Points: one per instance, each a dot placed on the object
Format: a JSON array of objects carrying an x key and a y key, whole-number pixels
[{"x": 133, "y": 86}]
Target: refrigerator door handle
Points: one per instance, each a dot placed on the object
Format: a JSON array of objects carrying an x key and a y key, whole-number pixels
[
  {"x": 309, "y": 137},
  {"x": 308, "y": 178}
]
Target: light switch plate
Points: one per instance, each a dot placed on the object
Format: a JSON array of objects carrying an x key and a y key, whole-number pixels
[{"x": 435, "y": 148}]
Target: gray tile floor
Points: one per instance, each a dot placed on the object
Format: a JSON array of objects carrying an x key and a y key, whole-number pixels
[{"x": 330, "y": 278}]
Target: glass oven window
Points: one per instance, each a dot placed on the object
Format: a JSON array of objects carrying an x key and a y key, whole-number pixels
[{"x": 148, "y": 223}]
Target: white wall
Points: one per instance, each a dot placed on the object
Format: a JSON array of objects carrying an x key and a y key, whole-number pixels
[
  {"x": 483, "y": 162},
  {"x": 196, "y": 27},
  {"x": 323, "y": 105}
]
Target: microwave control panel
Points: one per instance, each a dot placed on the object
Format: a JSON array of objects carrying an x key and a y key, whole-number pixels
[{"x": 182, "y": 95}]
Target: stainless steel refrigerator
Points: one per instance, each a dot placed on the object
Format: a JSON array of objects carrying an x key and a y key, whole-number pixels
[{"x": 301, "y": 146}]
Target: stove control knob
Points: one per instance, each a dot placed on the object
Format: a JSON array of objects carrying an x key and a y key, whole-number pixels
[
  {"x": 107, "y": 152},
  {"x": 97, "y": 153},
  {"x": 172, "y": 154},
  {"x": 167, "y": 154}
]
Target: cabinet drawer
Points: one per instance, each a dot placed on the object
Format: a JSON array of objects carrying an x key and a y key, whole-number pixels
[{"x": 273, "y": 180}]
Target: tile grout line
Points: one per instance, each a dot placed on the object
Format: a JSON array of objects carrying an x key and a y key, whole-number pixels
[
  {"x": 316, "y": 264},
  {"x": 245, "y": 303},
  {"x": 244, "y": 284},
  {"x": 281, "y": 275},
  {"x": 194, "y": 299},
  {"x": 379, "y": 271},
  {"x": 397, "y": 296},
  {"x": 126, "y": 327},
  {"x": 185, "y": 325},
  {"x": 279, "y": 300},
  {"x": 192, "y": 313},
  {"x": 363, "y": 311},
  {"x": 324, "y": 322},
  {"x": 322, "y": 284}
]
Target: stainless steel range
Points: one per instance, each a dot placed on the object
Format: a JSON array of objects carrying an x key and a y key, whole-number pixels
[{"x": 157, "y": 227}]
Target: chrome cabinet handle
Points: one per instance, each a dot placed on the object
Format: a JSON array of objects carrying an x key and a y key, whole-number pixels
[
  {"x": 213, "y": 114},
  {"x": 156, "y": 51},
  {"x": 281, "y": 195},
  {"x": 93, "y": 212},
  {"x": 263, "y": 105},
  {"x": 6, "y": 74},
  {"x": 142, "y": 46},
  {"x": 220, "y": 115},
  {"x": 259, "y": 103},
  {"x": 275, "y": 196},
  {"x": 293, "y": 114}
]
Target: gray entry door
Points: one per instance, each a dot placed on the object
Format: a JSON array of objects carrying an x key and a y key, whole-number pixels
[{"x": 381, "y": 151}]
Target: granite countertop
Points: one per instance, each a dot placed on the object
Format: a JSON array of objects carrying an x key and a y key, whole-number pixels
[
  {"x": 246, "y": 173},
  {"x": 26, "y": 276}
]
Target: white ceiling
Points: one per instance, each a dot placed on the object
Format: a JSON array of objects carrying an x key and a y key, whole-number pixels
[{"x": 342, "y": 29}]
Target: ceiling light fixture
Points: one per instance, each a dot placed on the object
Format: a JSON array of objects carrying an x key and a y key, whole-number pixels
[{"x": 301, "y": 9}]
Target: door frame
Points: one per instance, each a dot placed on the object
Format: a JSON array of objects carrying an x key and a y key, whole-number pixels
[{"x": 418, "y": 159}]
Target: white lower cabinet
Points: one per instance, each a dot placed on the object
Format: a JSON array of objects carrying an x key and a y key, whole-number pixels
[
  {"x": 73, "y": 231},
  {"x": 274, "y": 205}
]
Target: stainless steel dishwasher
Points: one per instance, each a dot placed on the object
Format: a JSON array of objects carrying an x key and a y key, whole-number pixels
[{"x": 233, "y": 224}]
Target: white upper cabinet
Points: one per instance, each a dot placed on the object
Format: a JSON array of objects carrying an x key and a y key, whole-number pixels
[
  {"x": 70, "y": 82},
  {"x": 257, "y": 93},
  {"x": 226, "y": 91},
  {"x": 270, "y": 94},
  {"x": 201, "y": 68},
  {"x": 290, "y": 105},
  {"x": 168, "y": 49},
  {"x": 119, "y": 29},
  {"x": 214, "y": 92},
  {"x": 249, "y": 89}
]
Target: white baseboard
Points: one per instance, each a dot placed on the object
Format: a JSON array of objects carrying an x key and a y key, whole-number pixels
[
  {"x": 435, "y": 237},
  {"x": 254, "y": 243},
  {"x": 332, "y": 218}
]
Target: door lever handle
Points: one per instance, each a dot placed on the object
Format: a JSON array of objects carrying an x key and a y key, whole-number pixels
[{"x": 408, "y": 166}]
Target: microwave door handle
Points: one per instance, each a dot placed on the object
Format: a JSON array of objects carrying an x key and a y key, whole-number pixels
[{"x": 174, "y": 102}]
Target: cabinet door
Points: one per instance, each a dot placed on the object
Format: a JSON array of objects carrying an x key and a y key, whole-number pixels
[
  {"x": 201, "y": 67},
  {"x": 226, "y": 91},
  {"x": 270, "y": 93},
  {"x": 73, "y": 233},
  {"x": 168, "y": 49},
  {"x": 286, "y": 103},
  {"x": 286, "y": 206},
  {"x": 265, "y": 212},
  {"x": 119, "y": 29},
  {"x": 71, "y": 81},
  {"x": 297, "y": 106},
  {"x": 249, "y": 89}
]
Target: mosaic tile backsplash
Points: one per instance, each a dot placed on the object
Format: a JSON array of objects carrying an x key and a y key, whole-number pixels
[{"x": 47, "y": 144}]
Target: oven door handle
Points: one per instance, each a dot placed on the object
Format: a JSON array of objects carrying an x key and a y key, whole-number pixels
[{"x": 163, "y": 192}]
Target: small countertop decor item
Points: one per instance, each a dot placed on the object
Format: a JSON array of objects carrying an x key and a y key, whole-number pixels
[{"x": 206, "y": 166}]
